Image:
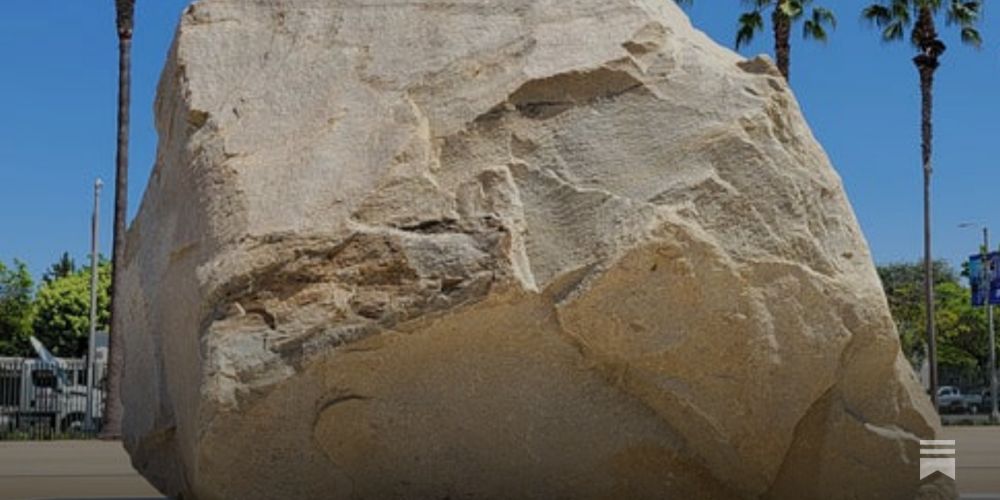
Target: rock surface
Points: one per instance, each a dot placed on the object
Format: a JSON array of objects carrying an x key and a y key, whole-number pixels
[{"x": 500, "y": 249}]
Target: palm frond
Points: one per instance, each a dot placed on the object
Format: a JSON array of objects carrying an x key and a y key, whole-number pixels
[
  {"x": 749, "y": 24},
  {"x": 971, "y": 36},
  {"x": 877, "y": 14},
  {"x": 963, "y": 13},
  {"x": 825, "y": 16},
  {"x": 892, "y": 17},
  {"x": 815, "y": 27},
  {"x": 894, "y": 32},
  {"x": 903, "y": 10},
  {"x": 793, "y": 9}
]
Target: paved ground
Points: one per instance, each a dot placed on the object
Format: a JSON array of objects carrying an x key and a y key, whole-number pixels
[
  {"x": 978, "y": 459},
  {"x": 68, "y": 470},
  {"x": 93, "y": 469}
]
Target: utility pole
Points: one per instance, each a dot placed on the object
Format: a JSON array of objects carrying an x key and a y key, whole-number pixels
[
  {"x": 986, "y": 276},
  {"x": 988, "y": 272},
  {"x": 92, "y": 341}
]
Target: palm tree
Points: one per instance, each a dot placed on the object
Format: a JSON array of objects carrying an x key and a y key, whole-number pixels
[
  {"x": 125, "y": 11},
  {"x": 61, "y": 269},
  {"x": 784, "y": 13},
  {"x": 894, "y": 18}
]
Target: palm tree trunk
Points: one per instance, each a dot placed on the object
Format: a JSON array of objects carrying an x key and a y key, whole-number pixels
[
  {"x": 926, "y": 86},
  {"x": 927, "y": 63},
  {"x": 116, "y": 360},
  {"x": 782, "y": 40}
]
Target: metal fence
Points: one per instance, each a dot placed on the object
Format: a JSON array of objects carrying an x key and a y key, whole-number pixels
[{"x": 41, "y": 400}]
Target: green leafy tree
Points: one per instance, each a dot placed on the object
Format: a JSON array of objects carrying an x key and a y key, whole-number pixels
[
  {"x": 16, "y": 309},
  {"x": 894, "y": 18},
  {"x": 784, "y": 14},
  {"x": 903, "y": 284},
  {"x": 962, "y": 328},
  {"x": 62, "y": 311},
  {"x": 962, "y": 335}
]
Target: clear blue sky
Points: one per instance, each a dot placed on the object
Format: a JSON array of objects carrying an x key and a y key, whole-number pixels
[{"x": 57, "y": 131}]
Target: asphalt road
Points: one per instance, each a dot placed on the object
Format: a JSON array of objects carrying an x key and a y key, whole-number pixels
[{"x": 92, "y": 469}]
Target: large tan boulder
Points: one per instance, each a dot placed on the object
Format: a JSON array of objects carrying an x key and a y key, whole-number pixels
[{"x": 500, "y": 249}]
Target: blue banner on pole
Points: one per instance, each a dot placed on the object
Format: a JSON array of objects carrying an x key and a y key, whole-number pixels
[{"x": 985, "y": 278}]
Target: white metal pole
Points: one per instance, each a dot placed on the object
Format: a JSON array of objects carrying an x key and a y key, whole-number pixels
[{"x": 91, "y": 344}]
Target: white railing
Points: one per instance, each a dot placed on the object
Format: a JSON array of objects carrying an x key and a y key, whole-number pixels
[{"x": 41, "y": 400}]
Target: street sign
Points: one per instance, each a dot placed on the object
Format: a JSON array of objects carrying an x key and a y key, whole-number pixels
[{"x": 985, "y": 283}]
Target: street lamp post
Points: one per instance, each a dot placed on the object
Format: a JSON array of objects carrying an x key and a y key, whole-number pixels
[
  {"x": 994, "y": 415},
  {"x": 91, "y": 343},
  {"x": 985, "y": 285}
]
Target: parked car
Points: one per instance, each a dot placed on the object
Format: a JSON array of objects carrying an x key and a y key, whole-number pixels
[{"x": 951, "y": 400}]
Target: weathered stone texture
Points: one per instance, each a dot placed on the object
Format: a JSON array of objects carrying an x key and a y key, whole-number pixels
[{"x": 500, "y": 249}]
